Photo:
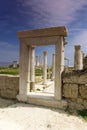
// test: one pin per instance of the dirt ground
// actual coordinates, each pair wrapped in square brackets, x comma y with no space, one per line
[20,116]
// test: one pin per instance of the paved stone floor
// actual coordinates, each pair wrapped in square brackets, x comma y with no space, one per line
[48,88]
[20,116]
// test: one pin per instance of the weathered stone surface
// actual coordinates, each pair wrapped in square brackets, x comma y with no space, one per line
[75,89]
[5,103]
[83,91]
[80,101]
[54,31]
[69,78]
[75,106]
[85,104]
[82,79]
[79,77]
[70,90]
[9,86]
[9,94]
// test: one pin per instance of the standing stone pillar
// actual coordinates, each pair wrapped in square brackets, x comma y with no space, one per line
[59,67]
[78,58]
[45,68]
[32,69]
[37,61]
[53,66]
[24,78]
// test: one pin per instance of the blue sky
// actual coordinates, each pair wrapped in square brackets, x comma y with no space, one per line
[17,15]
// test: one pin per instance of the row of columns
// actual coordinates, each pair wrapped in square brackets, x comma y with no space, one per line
[78,64]
[32,68]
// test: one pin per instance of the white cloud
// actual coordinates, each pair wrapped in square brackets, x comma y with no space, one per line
[53,12]
[81,39]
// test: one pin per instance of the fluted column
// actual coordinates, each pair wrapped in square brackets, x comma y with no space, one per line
[32,69]
[78,58]
[45,67]
[53,66]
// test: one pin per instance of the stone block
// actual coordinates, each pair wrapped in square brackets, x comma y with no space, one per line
[82,79]
[48,101]
[70,90]
[9,94]
[80,101]
[83,91]
[85,104]
[9,86]
[75,106]
[70,79]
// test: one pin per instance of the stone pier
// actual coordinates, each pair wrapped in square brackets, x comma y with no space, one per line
[32,69]
[59,67]
[78,58]
[45,67]
[53,67]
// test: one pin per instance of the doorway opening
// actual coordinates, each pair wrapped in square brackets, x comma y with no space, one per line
[44,69]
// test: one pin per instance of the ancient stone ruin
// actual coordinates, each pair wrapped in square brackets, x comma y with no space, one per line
[28,41]
[70,83]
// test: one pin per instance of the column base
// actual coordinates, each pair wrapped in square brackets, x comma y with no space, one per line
[22,97]
[32,86]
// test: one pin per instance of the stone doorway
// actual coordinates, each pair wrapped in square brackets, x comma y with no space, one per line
[28,41]
[44,69]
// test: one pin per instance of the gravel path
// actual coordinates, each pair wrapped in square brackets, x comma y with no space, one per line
[29,117]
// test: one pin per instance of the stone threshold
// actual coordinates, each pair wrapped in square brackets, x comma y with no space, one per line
[46,100]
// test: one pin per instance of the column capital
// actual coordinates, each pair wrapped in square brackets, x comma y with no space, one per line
[45,52]
[77,47]
[53,54]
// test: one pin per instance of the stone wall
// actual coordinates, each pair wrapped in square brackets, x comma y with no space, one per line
[9,86]
[75,89]
[85,62]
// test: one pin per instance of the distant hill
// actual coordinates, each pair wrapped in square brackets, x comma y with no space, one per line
[5,64]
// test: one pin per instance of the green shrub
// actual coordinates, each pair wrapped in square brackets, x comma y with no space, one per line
[38,72]
[5,70]
[83,114]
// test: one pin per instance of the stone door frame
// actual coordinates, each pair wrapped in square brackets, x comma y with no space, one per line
[40,37]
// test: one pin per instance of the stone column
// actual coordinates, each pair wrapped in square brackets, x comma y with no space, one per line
[78,58]
[53,67]
[82,58]
[24,78]
[37,61]
[68,61]
[59,67]
[32,69]
[45,68]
